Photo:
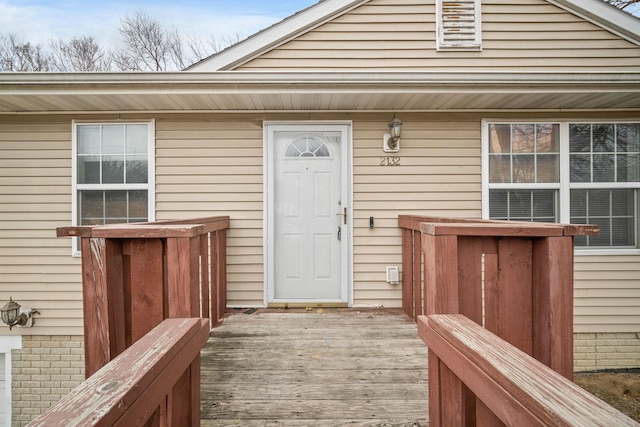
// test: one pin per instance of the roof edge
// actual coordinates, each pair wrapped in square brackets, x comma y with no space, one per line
[275,35]
[605,16]
[235,80]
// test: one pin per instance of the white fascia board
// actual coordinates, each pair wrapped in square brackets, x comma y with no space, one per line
[605,16]
[276,35]
[161,82]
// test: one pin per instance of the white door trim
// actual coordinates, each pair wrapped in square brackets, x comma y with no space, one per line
[8,343]
[268,206]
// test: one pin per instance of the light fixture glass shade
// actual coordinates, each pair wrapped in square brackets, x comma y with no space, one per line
[395,128]
[10,312]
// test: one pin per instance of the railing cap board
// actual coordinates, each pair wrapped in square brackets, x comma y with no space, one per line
[132,385]
[517,388]
[483,227]
[158,229]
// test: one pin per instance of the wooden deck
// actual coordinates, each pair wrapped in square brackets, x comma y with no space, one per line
[315,368]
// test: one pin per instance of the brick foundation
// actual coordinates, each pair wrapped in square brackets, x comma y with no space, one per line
[44,370]
[602,351]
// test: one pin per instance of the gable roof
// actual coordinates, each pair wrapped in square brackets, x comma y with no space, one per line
[597,12]
[276,35]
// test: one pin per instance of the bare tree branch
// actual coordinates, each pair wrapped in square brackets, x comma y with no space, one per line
[79,54]
[622,4]
[18,55]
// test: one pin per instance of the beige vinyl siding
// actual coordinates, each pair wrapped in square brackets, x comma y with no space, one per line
[439,174]
[607,293]
[36,268]
[528,35]
[210,168]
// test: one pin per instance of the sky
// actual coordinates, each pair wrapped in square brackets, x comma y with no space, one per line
[39,21]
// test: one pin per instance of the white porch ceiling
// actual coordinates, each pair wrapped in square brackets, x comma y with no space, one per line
[25,93]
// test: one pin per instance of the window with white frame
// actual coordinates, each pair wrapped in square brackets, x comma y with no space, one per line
[113,173]
[570,172]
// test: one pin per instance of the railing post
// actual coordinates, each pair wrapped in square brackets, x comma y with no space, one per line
[446,396]
[553,303]
[136,275]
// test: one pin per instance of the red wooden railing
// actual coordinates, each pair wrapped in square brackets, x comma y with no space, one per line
[136,275]
[515,279]
[155,382]
[512,388]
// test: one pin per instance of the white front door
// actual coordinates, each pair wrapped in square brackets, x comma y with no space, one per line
[308,214]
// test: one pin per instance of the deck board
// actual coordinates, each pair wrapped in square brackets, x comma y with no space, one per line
[330,368]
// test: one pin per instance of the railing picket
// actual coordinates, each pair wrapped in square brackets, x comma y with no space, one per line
[144,282]
[470,277]
[407,272]
[418,291]
[515,305]
[204,277]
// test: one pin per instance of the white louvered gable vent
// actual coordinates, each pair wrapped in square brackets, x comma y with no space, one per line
[459,25]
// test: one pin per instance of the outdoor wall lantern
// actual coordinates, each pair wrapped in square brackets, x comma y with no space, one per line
[14,315]
[391,140]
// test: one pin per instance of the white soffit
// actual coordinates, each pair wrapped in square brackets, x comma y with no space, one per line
[276,35]
[34,93]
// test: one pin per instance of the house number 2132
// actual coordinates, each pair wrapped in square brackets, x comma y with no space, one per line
[389,161]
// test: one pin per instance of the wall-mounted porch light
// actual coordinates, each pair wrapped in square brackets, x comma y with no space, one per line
[391,140]
[13,314]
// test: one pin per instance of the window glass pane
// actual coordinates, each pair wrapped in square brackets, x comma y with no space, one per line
[523,205]
[603,168]
[544,208]
[612,210]
[547,138]
[524,168]
[113,170]
[138,201]
[523,139]
[499,168]
[520,205]
[88,139]
[548,168]
[113,139]
[622,202]
[598,202]
[622,232]
[136,170]
[323,151]
[498,204]
[579,138]
[88,170]
[115,207]
[603,138]
[91,207]
[628,138]
[580,165]
[500,139]
[578,205]
[136,139]
[628,168]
